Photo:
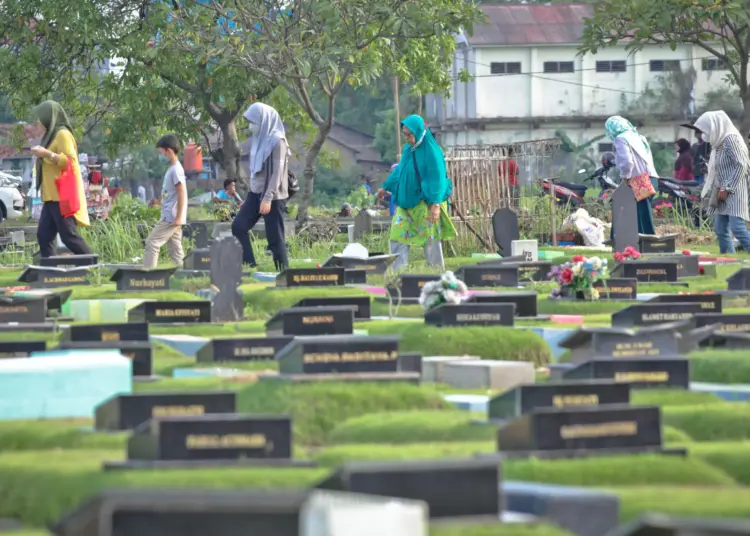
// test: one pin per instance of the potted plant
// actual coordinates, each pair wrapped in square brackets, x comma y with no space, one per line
[576,278]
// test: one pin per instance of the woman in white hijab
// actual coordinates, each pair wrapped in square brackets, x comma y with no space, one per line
[725,191]
[269,185]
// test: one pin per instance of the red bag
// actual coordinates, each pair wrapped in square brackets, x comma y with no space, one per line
[67,189]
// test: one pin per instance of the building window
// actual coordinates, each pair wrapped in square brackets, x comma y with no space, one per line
[505,67]
[616,66]
[658,66]
[606,147]
[712,64]
[558,67]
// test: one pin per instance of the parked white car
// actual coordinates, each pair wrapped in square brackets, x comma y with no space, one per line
[12,201]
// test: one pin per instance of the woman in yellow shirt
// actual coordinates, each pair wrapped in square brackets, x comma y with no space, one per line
[58,146]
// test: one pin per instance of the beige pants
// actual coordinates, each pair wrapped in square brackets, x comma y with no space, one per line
[164,233]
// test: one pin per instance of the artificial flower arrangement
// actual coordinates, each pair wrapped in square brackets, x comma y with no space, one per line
[447,289]
[578,275]
[629,253]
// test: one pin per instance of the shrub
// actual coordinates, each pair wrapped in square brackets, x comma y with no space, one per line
[717,422]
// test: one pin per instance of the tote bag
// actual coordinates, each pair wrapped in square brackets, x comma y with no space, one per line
[67,189]
[642,187]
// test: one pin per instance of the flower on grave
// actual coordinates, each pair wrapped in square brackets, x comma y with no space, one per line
[578,258]
[566,276]
[318,265]
[579,275]
[686,252]
[448,289]
[701,270]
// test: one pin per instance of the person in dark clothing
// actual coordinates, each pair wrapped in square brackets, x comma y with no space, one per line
[701,152]
[683,166]
[269,185]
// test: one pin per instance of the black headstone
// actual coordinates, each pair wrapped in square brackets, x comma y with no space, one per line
[495,275]
[451,488]
[125,412]
[171,312]
[69,261]
[526,302]
[657,244]
[410,362]
[728,322]
[648,271]
[11,349]
[411,285]
[137,279]
[57,298]
[134,331]
[505,229]
[339,354]
[241,349]
[727,341]
[23,309]
[471,314]
[226,276]
[212,437]
[49,277]
[624,218]
[617,288]
[311,277]
[355,276]
[198,259]
[374,264]
[200,233]
[533,271]
[620,343]
[710,303]
[139,352]
[617,426]
[663,525]
[687,265]
[638,372]
[362,304]
[648,314]
[311,321]
[503,260]
[525,398]
[739,280]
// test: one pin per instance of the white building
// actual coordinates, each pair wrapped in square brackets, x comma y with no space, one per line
[528,80]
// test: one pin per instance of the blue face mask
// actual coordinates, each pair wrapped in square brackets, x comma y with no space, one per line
[163,158]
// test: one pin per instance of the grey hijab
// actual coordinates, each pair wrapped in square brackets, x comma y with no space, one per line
[266,137]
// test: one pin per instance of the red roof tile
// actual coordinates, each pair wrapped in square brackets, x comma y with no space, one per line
[531,24]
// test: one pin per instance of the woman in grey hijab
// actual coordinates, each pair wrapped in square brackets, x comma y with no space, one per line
[269,185]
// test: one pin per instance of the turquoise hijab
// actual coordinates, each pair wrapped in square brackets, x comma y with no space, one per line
[619,127]
[403,182]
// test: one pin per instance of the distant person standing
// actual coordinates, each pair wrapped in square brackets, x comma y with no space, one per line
[683,166]
[509,171]
[701,153]
[173,207]
[142,193]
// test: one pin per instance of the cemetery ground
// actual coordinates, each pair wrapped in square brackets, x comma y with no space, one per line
[49,467]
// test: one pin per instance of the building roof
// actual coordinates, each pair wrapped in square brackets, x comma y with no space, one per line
[531,24]
[355,140]
[32,133]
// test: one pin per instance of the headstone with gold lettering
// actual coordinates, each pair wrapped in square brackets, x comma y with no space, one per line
[199,259]
[312,321]
[525,398]
[14,349]
[312,277]
[727,322]
[50,277]
[526,301]
[639,372]
[139,352]
[648,271]
[361,304]
[23,310]
[340,354]
[226,275]
[471,314]
[619,343]
[374,264]
[409,287]
[657,244]
[535,271]
[617,288]
[125,412]
[624,218]
[171,312]
[495,275]
[710,303]
[241,349]
[137,279]
[69,261]
[132,331]
[648,314]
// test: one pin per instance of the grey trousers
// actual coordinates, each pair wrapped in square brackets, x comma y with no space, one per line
[433,254]
[164,233]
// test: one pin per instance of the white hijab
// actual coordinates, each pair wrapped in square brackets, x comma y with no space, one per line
[266,137]
[716,126]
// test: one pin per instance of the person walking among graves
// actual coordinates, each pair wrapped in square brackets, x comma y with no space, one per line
[683,166]
[636,165]
[420,189]
[168,230]
[269,185]
[725,190]
[57,155]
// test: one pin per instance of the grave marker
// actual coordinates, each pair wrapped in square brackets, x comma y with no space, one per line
[23,309]
[361,303]
[471,314]
[362,224]
[638,372]
[199,259]
[648,271]
[617,288]
[728,323]
[132,331]
[657,244]
[411,286]
[138,279]
[312,321]
[410,362]
[502,260]
[339,354]
[497,275]
[69,261]
[533,271]
[49,277]
[739,280]
[710,303]
[226,275]
[353,276]
[505,229]
[526,302]
[527,249]
[241,349]
[624,220]
[171,312]
[374,264]
[687,265]
[16,349]
[526,398]
[311,277]
[649,314]
[139,352]
[199,232]
[619,343]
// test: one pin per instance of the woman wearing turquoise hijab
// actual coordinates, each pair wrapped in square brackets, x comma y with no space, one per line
[634,160]
[420,188]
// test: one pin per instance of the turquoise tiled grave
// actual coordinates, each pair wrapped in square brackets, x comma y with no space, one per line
[61,385]
[209,373]
[104,311]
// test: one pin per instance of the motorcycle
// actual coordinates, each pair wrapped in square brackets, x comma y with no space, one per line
[566,193]
[682,195]
[574,194]
[601,175]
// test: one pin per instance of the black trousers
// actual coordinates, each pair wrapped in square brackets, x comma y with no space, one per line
[52,223]
[246,219]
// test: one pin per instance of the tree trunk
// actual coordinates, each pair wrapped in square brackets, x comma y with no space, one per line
[745,125]
[311,160]
[230,154]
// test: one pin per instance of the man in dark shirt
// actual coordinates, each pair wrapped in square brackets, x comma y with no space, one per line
[701,151]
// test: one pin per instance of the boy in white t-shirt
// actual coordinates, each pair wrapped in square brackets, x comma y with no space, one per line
[173,207]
